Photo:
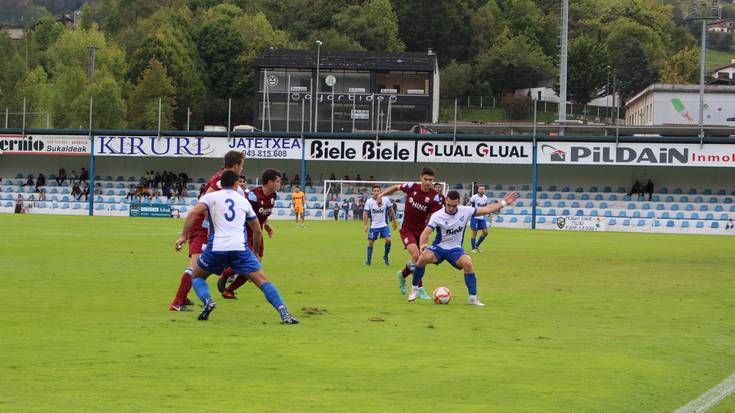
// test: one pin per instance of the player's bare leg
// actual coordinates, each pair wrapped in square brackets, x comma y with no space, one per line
[271,294]
[465,262]
[427,257]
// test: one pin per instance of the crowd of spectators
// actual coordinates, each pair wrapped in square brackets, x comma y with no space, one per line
[641,189]
[154,185]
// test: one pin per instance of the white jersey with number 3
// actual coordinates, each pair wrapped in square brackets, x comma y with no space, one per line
[378,213]
[228,212]
[450,228]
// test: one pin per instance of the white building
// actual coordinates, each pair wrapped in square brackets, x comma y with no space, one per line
[546,93]
[726,72]
[667,104]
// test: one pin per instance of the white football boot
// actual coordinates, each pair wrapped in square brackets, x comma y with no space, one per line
[473,300]
[413,295]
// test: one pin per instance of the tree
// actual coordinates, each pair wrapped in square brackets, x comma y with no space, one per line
[456,80]
[634,71]
[588,70]
[623,34]
[12,71]
[86,18]
[34,87]
[486,24]
[517,107]
[333,40]
[720,41]
[153,84]
[512,63]
[373,24]
[440,25]
[683,67]
[220,42]
[523,17]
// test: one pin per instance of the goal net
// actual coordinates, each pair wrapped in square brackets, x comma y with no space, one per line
[346,199]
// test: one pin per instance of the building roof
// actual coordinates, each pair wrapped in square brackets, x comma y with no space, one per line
[347,60]
[667,87]
[717,69]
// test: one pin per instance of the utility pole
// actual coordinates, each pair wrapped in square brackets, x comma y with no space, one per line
[90,71]
[703,14]
[563,63]
[316,93]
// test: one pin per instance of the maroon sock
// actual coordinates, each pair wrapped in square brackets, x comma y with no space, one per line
[227,273]
[184,287]
[406,271]
[234,285]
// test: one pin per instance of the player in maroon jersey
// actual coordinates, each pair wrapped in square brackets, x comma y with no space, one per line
[197,237]
[263,199]
[438,188]
[421,201]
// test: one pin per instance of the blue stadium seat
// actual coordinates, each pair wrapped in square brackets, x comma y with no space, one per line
[724,217]
[54,191]
[571,196]
[130,178]
[675,207]
[555,196]
[584,197]
[608,214]
[120,186]
[98,199]
[519,203]
[157,201]
[684,199]
[526,188]
[561,204]
[709,216]
[319,213]
[108,185]
[542,220]
[565,212]
[565,189]
[54,205]
[664,190]
[656,198]
[183,209]
[65,206]
[607,189]
[110,199]
[42,205]
[109,192]
[621,190]
[613,197]
[575,204]
[622,214]
[698,199]
[524,212]
[312,199]
[692,191]
[707,191]
[579,213]
[65,198]
[594,213]
[694,215]
[612,222]
[646,206]
[589,205]
[631,206]
[498,187]
[641,223]
[656,223]
[704,208]
[700,224]
[732,208]
[678,191]
[670,224]
[665,215]
[513,220]
[713,200]
[527,220]
[193,202]
[499,219]
[113,207]
[547,204]
[660,207]
[202,181]
[124,207]
[552,211]
[689,207]
[626,222]
[603,205]
[721,192]
[636,214]
[579,189]
[680,215]
[552,188]
[715,225]
[669,198]
[598,197]
[650,214]
[593,189]
[118,179]
[543,195]
[100,207]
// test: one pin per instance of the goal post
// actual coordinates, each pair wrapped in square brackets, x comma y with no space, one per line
[355,191]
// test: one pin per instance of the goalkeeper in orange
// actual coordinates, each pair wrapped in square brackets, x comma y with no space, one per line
[297,203]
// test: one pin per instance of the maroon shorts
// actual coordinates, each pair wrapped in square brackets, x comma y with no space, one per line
[250,245]
[410,237]
[197,243]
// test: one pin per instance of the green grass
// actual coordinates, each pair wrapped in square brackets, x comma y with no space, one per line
[490,115]
[714,58]
[576,322]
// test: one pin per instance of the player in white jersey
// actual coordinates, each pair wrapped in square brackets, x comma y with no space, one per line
[228,213]
[378,215]
[478,200]
[450,224]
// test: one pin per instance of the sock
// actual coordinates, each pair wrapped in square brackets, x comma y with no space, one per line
[418,274]
[406,271]
[472,240]
[479,241]
[471,282]
[387,249]
[184,287]
[370,253]
[236,283]
[202,289]
[271,294]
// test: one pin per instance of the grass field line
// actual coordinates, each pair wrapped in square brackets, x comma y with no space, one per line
[710,398]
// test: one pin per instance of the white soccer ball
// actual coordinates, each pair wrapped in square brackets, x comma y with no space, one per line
[442,295]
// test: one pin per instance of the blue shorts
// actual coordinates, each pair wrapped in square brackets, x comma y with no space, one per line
[383,232]
[478,224]
[452,256]
[241,262]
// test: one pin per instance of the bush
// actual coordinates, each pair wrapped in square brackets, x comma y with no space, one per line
[517,107]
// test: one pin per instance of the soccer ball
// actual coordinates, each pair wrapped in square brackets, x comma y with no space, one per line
[442,295]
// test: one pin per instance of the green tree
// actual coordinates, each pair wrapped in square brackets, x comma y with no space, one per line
[512,63]
[86,18]
[588,70]
[220,43]
[153,84]
[523,17]
[440,25]
[333,40]
[683,67]
[486,25]
[623,34]
[634,71]
[34,87]
[456,80]
[373,24]
[12,71]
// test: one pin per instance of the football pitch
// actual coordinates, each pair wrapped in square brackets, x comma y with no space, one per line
[575,322]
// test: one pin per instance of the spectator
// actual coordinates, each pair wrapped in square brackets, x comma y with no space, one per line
[346,208]
[637,188]
[76,192]
[85,193]
[73,176]
[61,177]
[157,179]
[332,177]
[372,178]
[358,178]
[649,189]
[97,188]
[42,195]
[184,178]
[308,180]
[321,178]
[40,181]
[83,176]
[296,180]
[284,179]
[131,192]
[465,199]
[335,207]
[32,200]
[356,209]
[347,177]
[730,225]
[19,205]
[29,181]
[202,189]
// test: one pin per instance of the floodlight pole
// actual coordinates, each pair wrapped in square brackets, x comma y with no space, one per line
[316,103]
[695,15]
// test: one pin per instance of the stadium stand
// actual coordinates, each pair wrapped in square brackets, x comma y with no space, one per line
[677,209]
